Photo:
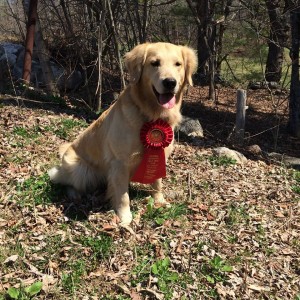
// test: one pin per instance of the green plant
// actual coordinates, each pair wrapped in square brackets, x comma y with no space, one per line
[37,190]
[26,133]
[100,247]
[26,293]
[296,187]
[165,277]
[236,215]
[262,239]
[216,270]
[64,127]
[71,280]
[217,161]
[141,272]
[161,214]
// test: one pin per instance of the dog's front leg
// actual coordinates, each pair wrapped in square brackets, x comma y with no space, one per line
[118,182]
[156,192]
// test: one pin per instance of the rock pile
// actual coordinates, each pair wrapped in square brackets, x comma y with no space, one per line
[12,58]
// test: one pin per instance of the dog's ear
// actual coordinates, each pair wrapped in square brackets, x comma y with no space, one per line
[190,62]
[134,61]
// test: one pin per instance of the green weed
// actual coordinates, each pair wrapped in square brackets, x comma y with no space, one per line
[37,190]
[25,293]
[236,215]
[71,280]
[100,247]
[218,161]
[296,187]
[216,270]
[26,133]
[159,270]
[65,127]
[165,277]
[141,272]
[160,214]
[262,240]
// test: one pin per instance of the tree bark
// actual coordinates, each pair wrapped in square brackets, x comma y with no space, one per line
[32,17]
[116,44]
[277,39]
[44,61]
[294,104]
[81,59]
[202,11]
[101,27]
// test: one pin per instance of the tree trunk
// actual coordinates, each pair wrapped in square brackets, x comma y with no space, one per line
[277,39]
[44,61]
[114,33]
[78,48]
[101,28]
[32,17]
[294,112]
[203,13]
[222,28]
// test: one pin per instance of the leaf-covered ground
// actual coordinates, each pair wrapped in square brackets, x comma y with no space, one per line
[231,232]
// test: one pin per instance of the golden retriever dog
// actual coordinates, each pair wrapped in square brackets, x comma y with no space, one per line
[110,150]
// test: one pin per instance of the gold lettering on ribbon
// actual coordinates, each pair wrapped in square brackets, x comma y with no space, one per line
[153,159]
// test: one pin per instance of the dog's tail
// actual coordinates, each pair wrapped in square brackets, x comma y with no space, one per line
[56,174]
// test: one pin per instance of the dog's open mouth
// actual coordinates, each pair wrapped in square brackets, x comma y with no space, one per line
[167,100]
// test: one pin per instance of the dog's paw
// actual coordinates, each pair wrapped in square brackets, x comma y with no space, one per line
[160,200]
[125,217]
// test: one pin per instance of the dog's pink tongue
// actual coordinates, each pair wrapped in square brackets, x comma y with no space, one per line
[167,100]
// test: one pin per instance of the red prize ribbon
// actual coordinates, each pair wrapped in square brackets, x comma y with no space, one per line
[155,136]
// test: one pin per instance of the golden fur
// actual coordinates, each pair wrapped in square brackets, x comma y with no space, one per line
[110,149]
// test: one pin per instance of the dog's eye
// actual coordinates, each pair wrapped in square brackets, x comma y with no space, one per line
[155,63]
[178,64]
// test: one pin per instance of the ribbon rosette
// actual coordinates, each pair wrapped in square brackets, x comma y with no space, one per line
[155,136]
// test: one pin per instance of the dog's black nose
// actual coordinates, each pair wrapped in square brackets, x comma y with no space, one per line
[169,83]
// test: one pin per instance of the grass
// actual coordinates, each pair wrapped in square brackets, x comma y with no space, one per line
[160,214]
[37,191]
[64,128]
[296,186]
[100,247]
[248,63]
[216,270]
[71,280]
[160,272]
[218,161]
[236,215]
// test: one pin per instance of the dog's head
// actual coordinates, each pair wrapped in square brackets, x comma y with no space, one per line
[163,69]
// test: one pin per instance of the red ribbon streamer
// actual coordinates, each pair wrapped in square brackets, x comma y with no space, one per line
[155,136]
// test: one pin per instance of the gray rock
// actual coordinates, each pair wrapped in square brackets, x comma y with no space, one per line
[8,58]
[13,54]
[69,82]
[2,50]
[291,161]
[191,127]
[254,149]
[223,151]
[11,48]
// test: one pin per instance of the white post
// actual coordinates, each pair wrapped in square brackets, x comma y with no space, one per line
[240,116]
